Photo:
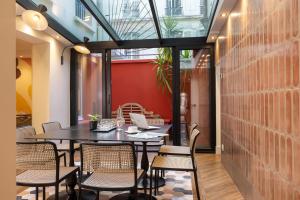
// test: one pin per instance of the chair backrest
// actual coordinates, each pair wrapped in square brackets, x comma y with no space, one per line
[193,126]
[24,131]
[108,158]
[36,156]
[157,121]
[51,126]
[194,136]
[134,108]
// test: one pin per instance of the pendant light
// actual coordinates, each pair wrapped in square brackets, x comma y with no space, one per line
[80,48]
[36,19]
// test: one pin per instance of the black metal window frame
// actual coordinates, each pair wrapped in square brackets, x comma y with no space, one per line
[106,89]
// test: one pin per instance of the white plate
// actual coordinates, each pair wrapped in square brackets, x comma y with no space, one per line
[131,132]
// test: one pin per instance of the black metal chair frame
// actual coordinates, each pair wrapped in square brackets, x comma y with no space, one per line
[57,179]
[82,177]
[194,170]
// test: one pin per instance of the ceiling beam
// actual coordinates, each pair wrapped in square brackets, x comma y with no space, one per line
[182,43]
[89,4]
[155,19]
[29,5]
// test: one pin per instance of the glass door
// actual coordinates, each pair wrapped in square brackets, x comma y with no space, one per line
[196,96]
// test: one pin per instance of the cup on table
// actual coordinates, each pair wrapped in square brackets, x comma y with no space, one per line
[132,129]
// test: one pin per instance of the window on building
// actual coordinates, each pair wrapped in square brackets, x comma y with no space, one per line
[131,8]
[82,13]
[173,7]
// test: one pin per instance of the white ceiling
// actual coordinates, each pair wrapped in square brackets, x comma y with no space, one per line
[224,7]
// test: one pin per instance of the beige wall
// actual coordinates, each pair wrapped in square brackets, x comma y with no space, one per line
[8,103]
[51,81]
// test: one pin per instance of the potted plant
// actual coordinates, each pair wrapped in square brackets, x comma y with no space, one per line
[94,118]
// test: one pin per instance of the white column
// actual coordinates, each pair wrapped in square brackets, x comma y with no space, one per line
[40,84]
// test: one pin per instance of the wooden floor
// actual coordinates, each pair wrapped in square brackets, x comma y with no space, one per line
[215,182]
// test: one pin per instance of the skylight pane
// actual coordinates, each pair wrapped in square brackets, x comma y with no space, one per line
[131,19]
[184,18]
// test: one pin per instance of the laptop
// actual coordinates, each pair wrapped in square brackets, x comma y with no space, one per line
[140,121]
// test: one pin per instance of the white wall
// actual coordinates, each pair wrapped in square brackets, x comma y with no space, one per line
[51,80]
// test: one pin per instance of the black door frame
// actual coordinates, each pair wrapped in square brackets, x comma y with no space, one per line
[106,88]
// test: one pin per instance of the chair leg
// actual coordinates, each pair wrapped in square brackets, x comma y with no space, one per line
[98,195]
[151,177]
[79,192]
[145,188]
[156,182]
[65,160]
[196,184]
[44,193]
[56,191]
[36,193]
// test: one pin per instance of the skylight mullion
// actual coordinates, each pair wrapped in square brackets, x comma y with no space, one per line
[155,19]
[89,4]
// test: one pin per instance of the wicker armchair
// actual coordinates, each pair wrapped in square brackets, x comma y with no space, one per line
[37,165]
[61,146]
[109,167]
[176,163]
[177,150]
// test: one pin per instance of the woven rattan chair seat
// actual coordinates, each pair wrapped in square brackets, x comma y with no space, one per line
[112,180]
[176,150]
[43,176]
[173,162]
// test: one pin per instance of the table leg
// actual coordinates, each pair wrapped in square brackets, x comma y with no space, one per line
[72,180]
[145,160]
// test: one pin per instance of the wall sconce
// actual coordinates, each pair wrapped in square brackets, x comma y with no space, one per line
[80,48]
[36,19]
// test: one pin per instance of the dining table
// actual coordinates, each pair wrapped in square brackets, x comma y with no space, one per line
[82,133]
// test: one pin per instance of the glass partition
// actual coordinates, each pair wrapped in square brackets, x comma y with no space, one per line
[195,95]
[89,87]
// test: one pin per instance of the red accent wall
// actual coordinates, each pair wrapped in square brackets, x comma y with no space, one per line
[134,81]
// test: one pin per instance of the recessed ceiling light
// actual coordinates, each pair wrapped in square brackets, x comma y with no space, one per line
[203,55]
[221,37]
[213,37]
[57,37]
[235,14]
[21,56]
[223,15]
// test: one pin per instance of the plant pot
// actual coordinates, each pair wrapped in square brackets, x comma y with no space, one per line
[93,125]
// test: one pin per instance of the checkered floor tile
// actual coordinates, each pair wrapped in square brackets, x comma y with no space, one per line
[178,187]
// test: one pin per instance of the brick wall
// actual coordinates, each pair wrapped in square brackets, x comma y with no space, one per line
[260,127]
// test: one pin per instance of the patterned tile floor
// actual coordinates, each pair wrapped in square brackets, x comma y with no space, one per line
[178,187]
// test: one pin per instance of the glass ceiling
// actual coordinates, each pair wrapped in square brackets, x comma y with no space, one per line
[132,19]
